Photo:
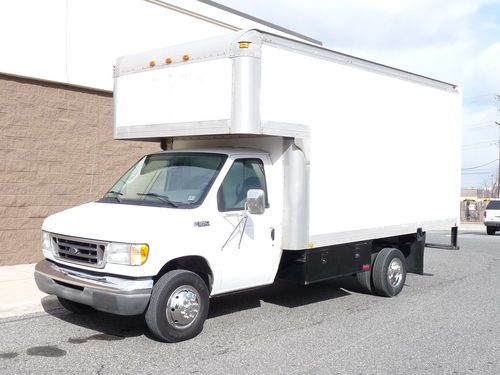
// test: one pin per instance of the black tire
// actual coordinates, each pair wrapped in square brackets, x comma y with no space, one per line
[490,231]
[365,277]
[75,307]
[177,284]
[382,283]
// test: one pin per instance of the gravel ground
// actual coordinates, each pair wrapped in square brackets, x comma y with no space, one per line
[445,322]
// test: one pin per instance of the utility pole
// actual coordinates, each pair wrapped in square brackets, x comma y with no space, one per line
[498,175]
[498,145]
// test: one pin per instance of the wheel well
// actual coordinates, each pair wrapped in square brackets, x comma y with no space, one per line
[412,247]
[403,243]
[193,263]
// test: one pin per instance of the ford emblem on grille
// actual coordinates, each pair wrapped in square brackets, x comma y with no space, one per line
[74,250]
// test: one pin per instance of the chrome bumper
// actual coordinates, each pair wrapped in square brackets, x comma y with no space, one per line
[495,224]
[105,293]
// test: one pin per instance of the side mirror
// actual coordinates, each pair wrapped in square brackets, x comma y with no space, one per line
[256,202]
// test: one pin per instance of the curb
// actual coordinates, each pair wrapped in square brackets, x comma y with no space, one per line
[45,304]
[20,294]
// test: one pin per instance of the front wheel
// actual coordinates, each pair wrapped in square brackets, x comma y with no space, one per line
[490,231]
[389,272]
[178,306]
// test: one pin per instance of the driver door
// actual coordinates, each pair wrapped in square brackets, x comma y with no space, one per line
[248,256]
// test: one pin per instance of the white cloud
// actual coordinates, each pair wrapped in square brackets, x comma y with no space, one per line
[483,72]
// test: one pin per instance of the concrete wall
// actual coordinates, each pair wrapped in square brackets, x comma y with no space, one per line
[78,41]
[56,151]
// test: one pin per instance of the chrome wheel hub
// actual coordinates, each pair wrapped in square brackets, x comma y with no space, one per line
[183,307]
[395,272]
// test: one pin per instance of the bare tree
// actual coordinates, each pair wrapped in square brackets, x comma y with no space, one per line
[489,185]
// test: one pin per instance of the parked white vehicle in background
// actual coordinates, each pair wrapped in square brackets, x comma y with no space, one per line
[492,217]
[282,160]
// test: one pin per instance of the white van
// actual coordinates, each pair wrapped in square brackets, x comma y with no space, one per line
[492,217]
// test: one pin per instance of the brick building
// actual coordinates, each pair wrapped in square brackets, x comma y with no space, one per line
[56,151]
[56,105]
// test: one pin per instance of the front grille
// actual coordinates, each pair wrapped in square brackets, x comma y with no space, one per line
[77,250]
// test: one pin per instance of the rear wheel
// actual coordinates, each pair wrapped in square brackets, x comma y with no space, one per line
[178,306]
[389,272]
[75,307]
[491,231]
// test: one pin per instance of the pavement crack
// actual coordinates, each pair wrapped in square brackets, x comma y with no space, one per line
[99,370]
[96,337]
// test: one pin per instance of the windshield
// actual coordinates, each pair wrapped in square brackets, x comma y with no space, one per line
[179,180]
[493,205]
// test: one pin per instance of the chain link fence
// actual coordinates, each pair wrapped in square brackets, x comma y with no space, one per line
[472,211]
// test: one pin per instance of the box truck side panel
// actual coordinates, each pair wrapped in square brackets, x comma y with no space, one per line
[384,150]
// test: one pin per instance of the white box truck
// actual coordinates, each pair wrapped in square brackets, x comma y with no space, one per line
[282,160]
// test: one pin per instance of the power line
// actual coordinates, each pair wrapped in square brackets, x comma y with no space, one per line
[479,174]
[477,128]
[473,145]
[473,125]
[475,172]
[480,96]
[479,166]
[481,170]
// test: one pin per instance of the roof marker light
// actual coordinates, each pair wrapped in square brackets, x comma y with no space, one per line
[168,60]
[244,44]
[152,63]
[185,57]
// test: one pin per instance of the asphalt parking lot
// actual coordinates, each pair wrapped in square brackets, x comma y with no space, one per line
[445,322]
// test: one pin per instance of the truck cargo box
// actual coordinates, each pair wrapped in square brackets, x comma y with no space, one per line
[368,151]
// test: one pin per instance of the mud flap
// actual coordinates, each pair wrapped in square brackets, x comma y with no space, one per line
[415,260]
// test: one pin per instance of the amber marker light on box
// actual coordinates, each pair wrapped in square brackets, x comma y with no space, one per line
[168,60]
[185,57]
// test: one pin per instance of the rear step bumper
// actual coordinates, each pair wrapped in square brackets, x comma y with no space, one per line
[105,293]
[452,246]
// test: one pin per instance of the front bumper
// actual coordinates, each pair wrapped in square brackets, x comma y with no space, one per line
[493,224]
[105,293]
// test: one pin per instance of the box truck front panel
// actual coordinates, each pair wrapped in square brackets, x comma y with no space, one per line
[384,149]
[181,94]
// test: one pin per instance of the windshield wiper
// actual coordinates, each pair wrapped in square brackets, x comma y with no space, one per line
[114,192]
[116,196]
[160,197]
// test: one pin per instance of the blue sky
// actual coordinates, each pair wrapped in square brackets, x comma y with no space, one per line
[457,41]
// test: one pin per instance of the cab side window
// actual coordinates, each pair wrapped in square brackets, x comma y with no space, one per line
[244,174]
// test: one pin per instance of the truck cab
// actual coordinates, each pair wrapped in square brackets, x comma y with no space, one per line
[173,208]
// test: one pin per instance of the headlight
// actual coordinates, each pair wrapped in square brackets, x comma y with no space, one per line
[47,245]
[126,253]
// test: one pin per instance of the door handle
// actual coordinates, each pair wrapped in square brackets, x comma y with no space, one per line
[272,234]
